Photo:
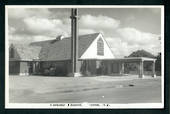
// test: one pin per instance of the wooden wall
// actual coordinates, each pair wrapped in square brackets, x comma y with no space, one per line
[18,68]
[63,68]
[24,68]
[14,67]
[56,68]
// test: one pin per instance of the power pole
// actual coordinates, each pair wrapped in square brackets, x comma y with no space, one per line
[74,42]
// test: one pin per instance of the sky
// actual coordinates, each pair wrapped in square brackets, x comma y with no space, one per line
[125,29]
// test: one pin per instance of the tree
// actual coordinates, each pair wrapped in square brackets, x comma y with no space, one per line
[158,62]
[141,53]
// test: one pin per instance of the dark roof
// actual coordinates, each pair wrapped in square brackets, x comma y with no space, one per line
[52,50]
[25,52]
[141,53]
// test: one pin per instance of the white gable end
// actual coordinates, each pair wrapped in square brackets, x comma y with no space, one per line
[91,52]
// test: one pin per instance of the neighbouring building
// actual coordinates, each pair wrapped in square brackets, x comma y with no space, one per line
[53,57]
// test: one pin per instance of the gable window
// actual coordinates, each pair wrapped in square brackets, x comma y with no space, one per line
[100,47]
[12,53]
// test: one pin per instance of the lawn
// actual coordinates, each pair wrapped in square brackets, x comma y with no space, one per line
[101,89]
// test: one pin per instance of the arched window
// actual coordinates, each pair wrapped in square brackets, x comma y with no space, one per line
[12,53]
[100,47]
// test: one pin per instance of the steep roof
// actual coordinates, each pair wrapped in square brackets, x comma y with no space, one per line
[52,50]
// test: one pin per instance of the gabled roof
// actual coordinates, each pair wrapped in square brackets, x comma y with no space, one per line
[53,50]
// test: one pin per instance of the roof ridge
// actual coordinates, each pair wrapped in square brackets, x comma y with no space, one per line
[68,37]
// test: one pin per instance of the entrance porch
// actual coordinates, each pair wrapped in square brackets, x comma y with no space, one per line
[119,66]
[140,65]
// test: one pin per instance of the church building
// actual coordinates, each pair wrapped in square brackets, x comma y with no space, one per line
[78,55]
[53,57]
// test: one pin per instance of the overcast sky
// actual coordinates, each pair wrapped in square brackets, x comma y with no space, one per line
[126,30]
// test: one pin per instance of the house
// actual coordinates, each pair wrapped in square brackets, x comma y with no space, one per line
[41,57]
[53,57]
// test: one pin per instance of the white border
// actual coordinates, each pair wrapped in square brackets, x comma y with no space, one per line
[84,6]
[6,60]
[162,53]
[83,105]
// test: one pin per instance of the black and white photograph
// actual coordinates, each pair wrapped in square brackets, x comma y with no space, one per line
[84,56]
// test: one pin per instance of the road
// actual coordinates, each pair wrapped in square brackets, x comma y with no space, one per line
[104,89]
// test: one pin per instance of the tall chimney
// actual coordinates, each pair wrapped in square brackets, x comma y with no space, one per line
[74,42]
